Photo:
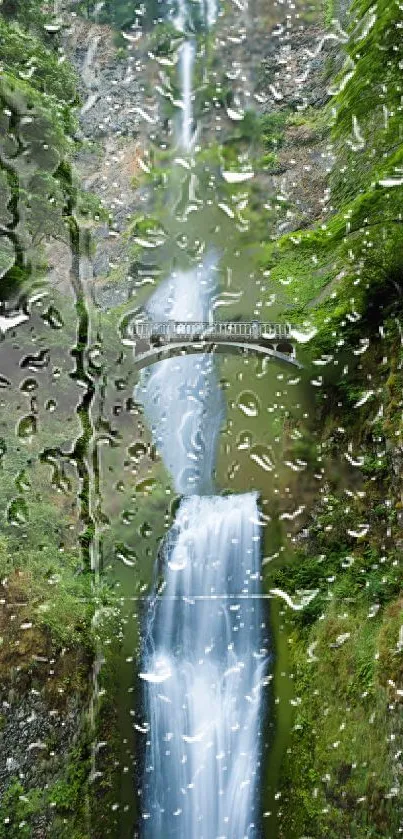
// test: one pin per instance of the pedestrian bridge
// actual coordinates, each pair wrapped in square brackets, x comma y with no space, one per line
[154,341]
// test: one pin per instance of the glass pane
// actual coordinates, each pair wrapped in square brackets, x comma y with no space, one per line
[200,419]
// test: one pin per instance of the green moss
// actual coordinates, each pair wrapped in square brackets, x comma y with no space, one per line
[34,66]
[268,161]
[272,127]
[64,804]
[339,776]
[164,39]
[90,206]
[366,139]
[17,809]
[38,98]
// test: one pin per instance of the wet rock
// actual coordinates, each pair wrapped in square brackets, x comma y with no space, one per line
[12,764]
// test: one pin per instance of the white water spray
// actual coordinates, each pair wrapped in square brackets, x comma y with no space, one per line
[179,18]
[204,668]
[210,12]
[182,23]
[186,62]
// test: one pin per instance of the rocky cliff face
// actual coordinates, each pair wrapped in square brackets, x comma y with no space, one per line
[282,61]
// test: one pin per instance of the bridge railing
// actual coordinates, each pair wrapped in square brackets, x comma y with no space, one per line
[194,330]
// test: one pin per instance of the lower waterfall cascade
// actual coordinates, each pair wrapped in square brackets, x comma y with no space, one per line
[204,665]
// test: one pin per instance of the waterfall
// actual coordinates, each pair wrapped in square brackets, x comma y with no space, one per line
[179,17]
[182,22]
[186,62]
[204,667]
[204,656]
[181,398]
[210,12]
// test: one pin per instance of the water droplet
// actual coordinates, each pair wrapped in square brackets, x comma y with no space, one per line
[28,385]
[146,486]
[127,516]
[36,362]
[244,441]
[126,554]
[161,673]
[121,384]
[53,318]
[261,455]
[27,426]
[95,358]
[17,512]
[136,451]
[248,403]
[145,530]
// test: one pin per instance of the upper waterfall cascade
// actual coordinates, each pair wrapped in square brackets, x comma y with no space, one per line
[182,401]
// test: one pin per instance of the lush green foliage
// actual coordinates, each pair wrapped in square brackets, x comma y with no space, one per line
[339,778]
[66,799]
[41,565]
[34,62]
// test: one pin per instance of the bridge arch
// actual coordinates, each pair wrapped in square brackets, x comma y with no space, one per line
[154,341]
[175,350]
[285,348]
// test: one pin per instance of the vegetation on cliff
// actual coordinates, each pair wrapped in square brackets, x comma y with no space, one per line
[342,773]
[47,639]
[37,92]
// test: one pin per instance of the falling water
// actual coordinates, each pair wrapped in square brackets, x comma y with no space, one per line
[179,16]
[187,52]
[186,61]
[203,660]
[210,12]
[182,401]
[204,668]
[205,652]
[179,13]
